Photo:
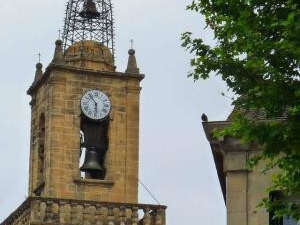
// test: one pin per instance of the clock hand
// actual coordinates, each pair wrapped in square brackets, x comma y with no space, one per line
[96,104]
[96,107]
[91,96]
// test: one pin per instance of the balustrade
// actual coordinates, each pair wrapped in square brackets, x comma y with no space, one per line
[75,212]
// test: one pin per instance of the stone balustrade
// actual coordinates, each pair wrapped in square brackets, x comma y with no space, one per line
[40,211]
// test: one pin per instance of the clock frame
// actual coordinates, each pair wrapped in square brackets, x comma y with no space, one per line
[95,105]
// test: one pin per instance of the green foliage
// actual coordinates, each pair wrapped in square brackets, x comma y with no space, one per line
[258,55]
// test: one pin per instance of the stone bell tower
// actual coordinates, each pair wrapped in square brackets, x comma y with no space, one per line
[83,108]
[57,122]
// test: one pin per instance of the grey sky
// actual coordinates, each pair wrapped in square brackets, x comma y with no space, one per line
[176,163]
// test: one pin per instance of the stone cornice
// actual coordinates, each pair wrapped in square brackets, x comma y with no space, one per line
[229,144]
[110,74]
[230,155]
[209,127]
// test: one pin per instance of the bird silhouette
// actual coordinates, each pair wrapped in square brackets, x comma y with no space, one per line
[204,117]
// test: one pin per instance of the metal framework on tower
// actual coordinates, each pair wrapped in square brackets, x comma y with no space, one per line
[89,20]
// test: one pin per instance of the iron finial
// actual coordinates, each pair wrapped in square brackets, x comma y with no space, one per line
[59,34]
[131,43]
[39,57]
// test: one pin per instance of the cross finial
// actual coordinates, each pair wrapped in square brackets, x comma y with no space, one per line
[59,34]
[39,55]
[131,43]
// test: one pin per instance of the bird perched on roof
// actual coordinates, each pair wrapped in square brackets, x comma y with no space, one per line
[204,117]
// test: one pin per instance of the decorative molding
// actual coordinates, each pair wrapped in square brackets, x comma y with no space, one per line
[80,71]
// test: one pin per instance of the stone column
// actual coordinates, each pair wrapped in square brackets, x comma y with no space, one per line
[237,188]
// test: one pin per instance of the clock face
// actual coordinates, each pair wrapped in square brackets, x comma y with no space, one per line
[95,105]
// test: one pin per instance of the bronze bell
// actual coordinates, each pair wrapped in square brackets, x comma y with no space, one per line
[92,165]
[89,10]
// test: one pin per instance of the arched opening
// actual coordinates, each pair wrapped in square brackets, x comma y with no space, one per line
[82,153]
[41,150]
[94,145]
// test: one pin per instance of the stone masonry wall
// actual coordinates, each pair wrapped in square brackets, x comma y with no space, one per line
[245,189]
[60,98]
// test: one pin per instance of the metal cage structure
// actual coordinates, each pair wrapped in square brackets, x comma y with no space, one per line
[89,20]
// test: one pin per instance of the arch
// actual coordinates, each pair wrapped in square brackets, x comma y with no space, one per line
[41,149]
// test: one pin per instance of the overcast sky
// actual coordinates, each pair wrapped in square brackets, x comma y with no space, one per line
[176,162]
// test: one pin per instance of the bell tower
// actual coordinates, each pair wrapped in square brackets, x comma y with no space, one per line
[81,105]
[84,149]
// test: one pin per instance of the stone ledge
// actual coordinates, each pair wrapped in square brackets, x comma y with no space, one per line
[94,182]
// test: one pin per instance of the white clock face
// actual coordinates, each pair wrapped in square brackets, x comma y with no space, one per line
[95,105]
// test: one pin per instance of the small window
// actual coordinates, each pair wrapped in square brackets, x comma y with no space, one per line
[285,220]
[273,196]
[289,221]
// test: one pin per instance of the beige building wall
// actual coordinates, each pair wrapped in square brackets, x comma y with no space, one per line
[243,188]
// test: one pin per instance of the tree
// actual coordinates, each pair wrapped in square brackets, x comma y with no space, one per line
[258,55]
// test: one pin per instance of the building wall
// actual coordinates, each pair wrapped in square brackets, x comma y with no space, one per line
[245,190]
[39,106]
